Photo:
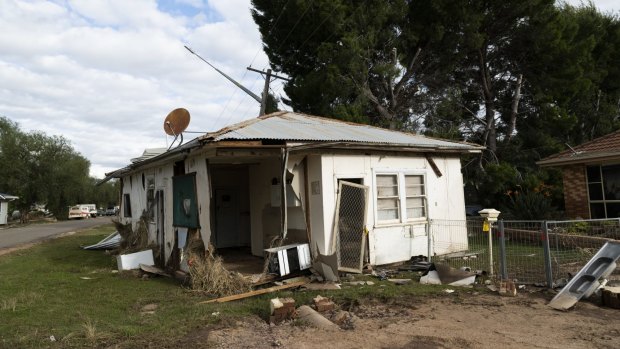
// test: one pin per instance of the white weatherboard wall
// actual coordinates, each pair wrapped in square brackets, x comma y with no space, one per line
[4,208]
[198,164]
[132,185]
[394,242]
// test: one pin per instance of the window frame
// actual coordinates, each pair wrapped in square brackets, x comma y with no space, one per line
[604,201]
[401,174]
[127,205]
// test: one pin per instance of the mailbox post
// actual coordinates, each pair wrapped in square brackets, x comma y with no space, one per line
[490,216]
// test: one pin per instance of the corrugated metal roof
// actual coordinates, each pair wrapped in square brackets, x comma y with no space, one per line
[289,126]
[603,147]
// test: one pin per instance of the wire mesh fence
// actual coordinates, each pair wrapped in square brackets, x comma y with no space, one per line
[350,241]
[574,243]
[524,251]
[460,244]
[529,252]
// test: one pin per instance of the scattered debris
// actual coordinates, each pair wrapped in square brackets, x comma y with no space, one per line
[148,309]
[326,266]
[611,297]
[323,304]
[585,283]
[208,274]
[133,260]
[281,309]
[416,263]
[52,338]
[215,313]
[255,292]
[313,318]
[507,288]
[447,290]
[359,283]
[289,258]
[132,240]
[454,277]
[430,278]
[399,281]
[86,278]
[153,270]
[320,286]
[492,287]
[111,242]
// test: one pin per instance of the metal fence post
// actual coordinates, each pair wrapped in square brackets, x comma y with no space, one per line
[502,251]
[547,254]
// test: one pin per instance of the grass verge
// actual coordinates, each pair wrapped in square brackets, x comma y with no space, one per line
[56,295]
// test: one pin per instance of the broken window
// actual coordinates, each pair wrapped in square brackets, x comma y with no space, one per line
[126,205]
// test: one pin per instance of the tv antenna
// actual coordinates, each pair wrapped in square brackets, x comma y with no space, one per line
[268,75]
[175,123]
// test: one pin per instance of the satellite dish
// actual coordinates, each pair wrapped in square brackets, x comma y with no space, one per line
[176,122]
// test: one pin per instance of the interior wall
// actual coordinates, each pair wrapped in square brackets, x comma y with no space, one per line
[236,178]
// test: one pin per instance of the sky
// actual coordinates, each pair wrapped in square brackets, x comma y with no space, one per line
[105,73]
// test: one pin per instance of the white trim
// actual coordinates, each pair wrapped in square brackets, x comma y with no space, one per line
[400,173]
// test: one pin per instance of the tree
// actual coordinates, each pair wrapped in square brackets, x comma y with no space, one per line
[41,169]
[357,60]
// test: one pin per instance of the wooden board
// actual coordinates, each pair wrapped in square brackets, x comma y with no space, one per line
[256,292]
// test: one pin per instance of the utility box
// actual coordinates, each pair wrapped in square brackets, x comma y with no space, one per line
[288,259]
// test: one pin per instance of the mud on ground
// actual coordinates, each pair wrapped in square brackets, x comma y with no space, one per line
[463,319]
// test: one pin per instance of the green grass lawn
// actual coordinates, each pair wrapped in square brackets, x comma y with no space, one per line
[57,289]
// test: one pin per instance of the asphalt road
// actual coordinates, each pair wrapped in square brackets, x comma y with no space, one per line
[11,237]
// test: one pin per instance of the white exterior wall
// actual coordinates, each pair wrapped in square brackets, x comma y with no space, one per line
[4,208]
[393,242]
[133,185]
[198,164]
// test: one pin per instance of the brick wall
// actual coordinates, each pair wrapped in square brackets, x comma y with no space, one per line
[575,191]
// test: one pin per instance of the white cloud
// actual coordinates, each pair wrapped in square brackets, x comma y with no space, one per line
[104,74]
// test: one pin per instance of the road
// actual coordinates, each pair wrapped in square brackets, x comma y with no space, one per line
[12,237]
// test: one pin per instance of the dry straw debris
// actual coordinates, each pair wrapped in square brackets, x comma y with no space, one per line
[209,275]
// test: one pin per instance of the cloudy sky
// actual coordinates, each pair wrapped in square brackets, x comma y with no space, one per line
[105,73]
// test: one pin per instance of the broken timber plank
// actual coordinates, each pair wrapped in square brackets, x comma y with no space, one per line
[256,292]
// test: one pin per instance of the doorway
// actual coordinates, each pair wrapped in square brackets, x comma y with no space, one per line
[231,206]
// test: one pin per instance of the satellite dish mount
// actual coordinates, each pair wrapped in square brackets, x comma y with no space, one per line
[175,123]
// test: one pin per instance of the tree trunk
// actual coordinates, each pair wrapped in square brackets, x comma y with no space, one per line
[512,124]
[489,104]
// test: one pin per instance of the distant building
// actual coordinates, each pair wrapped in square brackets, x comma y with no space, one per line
[4,206]
[591,174]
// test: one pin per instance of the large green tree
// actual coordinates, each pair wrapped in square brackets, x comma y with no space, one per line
[43,169]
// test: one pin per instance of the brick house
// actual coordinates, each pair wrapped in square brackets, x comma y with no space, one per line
[591,176]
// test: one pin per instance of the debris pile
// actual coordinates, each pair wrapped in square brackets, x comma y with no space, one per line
[131,240]
[209,275]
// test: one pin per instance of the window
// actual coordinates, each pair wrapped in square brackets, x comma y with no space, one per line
[387,198]
[414,191]
[604,191]
[126,205]
[401,197]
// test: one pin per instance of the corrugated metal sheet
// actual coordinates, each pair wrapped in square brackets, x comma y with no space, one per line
[290,126]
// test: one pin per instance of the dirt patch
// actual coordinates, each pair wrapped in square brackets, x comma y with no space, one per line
[460,320]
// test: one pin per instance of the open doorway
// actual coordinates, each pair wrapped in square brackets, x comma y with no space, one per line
[231,218]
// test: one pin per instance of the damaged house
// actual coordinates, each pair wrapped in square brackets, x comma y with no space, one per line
[362,192]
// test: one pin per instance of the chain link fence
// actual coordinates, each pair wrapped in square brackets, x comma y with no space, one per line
[530,252]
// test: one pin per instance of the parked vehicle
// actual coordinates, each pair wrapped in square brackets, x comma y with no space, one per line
[79,212]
